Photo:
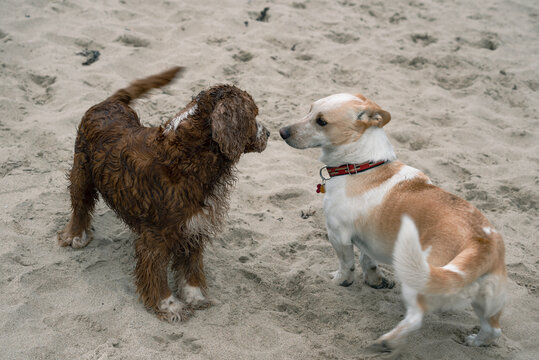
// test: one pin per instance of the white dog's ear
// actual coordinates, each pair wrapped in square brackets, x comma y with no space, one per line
[360,96]
[377,117]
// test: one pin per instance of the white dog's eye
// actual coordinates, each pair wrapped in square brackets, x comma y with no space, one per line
[320,121]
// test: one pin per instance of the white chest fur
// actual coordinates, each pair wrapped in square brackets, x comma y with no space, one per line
[209,220]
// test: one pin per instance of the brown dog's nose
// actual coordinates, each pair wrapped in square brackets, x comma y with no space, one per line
[285,132]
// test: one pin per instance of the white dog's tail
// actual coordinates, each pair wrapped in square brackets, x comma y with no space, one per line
[412,268]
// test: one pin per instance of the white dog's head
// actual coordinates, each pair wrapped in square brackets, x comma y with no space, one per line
[335,120]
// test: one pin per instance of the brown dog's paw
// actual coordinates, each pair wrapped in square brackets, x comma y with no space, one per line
[174,316]
[172,310]
[194,297]
[201,304]
[66,238]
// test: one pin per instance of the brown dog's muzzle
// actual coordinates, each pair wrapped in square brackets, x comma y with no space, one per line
[261,140]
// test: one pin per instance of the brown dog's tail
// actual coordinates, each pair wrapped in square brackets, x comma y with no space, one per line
[141,86]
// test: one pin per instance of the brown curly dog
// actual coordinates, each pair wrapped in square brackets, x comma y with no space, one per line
[169,184]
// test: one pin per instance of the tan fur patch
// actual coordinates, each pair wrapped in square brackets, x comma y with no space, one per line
[359,184]
[343,128]
[451,227]
[422,302]
[445,221]
[494,321]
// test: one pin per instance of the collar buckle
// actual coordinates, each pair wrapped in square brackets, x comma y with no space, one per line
[324,179]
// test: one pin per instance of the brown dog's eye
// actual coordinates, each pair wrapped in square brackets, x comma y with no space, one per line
[320,121]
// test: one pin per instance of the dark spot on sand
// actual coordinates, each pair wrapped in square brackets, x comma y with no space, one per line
[487,43]
[397,18]
[307,214]
[91,56]
[134,41]
[243,56]
[424,39]
[263,15]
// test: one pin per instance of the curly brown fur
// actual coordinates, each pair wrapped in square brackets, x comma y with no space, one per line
[169,184]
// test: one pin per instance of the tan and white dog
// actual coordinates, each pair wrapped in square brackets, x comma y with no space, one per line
[442,248]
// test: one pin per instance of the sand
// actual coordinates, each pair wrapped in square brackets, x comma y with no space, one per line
[460,79]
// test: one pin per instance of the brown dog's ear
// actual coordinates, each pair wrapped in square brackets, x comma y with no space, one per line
[230,126]
[377,117]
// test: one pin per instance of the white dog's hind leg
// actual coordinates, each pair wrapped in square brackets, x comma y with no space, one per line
[415,309]
[488,306]
[372,275]
[487,333]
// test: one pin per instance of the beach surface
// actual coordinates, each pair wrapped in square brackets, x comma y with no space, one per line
[460,79]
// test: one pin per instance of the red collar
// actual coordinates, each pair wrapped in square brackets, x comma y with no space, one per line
[346,169]
[350,169]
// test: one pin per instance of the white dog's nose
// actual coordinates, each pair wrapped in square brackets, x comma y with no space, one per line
[285,132]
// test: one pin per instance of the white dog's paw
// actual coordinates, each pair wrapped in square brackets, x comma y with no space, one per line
[194,297]
[472,340]
[378,282]
[172,310]
[483,338]
[342,278]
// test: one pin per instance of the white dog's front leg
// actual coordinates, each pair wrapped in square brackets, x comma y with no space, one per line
[345,252]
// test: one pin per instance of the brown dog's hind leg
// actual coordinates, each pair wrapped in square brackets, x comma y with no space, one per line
[189,273]
[153,257]
[83,198]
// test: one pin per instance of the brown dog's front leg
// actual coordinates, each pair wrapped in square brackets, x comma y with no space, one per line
[189,269]
[153,257]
